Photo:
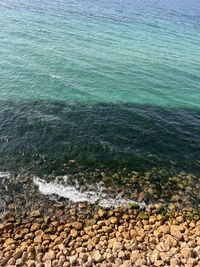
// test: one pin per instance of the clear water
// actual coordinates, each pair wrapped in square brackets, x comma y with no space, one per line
[105,82]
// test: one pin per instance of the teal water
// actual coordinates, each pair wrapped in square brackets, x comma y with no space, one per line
[112,82]
[140,52]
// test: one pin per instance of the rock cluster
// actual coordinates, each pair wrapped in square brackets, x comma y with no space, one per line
[116,237]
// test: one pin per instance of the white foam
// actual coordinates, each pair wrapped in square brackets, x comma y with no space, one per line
[5,175]
[65,191]
[55,76]
[74,195]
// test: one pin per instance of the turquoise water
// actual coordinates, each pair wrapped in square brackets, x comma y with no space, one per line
[140,52]
[115,81]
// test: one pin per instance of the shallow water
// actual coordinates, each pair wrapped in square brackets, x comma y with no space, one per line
[108,83]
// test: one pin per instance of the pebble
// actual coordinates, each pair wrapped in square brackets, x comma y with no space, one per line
[73,259]
[117,247]
[186,252]
[50,255]
[77,225]
[97,257]
[35,227]
[74,233]
[35,213]
[48,263]
[113,220]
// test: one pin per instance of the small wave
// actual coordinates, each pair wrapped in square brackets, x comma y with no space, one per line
[73,194]
[55,76]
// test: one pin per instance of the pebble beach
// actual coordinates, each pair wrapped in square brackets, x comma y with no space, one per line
[43,231]
[108,237]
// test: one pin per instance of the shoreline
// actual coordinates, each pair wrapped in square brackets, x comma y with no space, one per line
[86,235]
[52,231]
[19,192]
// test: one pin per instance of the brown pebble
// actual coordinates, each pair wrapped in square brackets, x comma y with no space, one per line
[35,227]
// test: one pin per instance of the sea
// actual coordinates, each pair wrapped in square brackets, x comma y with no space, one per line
[110,84]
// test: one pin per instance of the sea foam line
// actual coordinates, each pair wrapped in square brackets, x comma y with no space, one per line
[73,194]
[4,175]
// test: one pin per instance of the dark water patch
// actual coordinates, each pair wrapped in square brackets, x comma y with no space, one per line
[41,136]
